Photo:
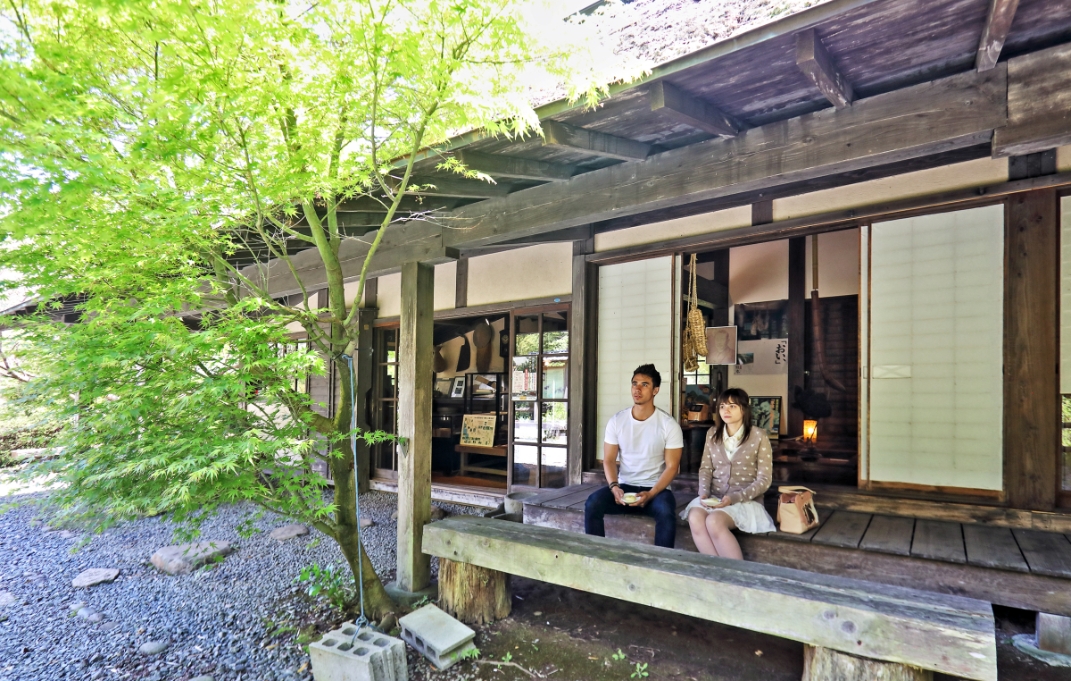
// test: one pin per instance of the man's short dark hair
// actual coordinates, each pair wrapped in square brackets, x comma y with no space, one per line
[649,370]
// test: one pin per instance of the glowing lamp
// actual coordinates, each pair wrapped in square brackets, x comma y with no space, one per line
[810,431]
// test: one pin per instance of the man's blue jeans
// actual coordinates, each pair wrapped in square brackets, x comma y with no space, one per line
[663,508]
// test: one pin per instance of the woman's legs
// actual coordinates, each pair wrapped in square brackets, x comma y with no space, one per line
[697,519]
[719,527]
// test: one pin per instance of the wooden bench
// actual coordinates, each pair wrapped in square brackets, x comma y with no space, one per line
[899,632]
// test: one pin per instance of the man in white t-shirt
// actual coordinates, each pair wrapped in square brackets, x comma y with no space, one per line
[641,454]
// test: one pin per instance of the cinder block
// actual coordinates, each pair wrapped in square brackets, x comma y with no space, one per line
[368,656]
[437,636]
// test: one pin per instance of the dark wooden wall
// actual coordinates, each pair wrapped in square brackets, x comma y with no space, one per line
[840,328]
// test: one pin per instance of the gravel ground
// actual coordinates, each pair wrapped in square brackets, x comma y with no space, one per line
[237,620]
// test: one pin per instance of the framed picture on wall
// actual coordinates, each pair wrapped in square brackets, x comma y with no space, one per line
[458,389]
[766,414]
[478,430]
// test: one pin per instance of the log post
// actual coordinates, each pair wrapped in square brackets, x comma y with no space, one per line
[825,664]
[473,594]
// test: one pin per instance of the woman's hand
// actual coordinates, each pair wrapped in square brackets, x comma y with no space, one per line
[722,504]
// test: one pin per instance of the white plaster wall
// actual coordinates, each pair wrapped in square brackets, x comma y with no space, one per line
[920,183]
[1063,158]
[390,285]
[838,263]
[389,295]
[730,218]
[541,271]
[635,327]
[936,385]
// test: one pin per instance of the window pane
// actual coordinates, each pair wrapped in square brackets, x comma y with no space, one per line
[524,422]
[524,378]
[527,335]
[554,466]
[386,380]
[556,332]
[390,344]
[555,377]
[525,463]
[555,427]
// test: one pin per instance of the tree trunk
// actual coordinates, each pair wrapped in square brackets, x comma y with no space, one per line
[473,594]
[823,664]
[376,601]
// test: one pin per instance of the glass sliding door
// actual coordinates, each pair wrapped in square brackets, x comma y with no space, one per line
[539,405]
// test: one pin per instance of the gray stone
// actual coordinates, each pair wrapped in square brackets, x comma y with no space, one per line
[367,522]
[206,677]
[76,606]
[85,612]
[108,626]
[185,558]
[437,513]
[394,516]
[7,598]
[389,621]
[93,577]
[153,647]
[288,532]
[95,617]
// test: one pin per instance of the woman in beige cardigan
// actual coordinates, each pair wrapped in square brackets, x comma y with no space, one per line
[736,471]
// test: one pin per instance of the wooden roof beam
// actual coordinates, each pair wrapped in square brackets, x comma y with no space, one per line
[815,62]
[513,168]
[667,98]
[556,134]
[995,32]
[457,187]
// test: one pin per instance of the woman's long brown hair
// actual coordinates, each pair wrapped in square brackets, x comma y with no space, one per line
[732,396]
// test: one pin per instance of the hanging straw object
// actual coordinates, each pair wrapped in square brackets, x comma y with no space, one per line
[695,334]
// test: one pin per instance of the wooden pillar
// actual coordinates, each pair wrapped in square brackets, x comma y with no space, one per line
[363,362]
[583,325]
[461,283]
[415,356]
[797,319]
[473,594]
[824,664]
[1031,352]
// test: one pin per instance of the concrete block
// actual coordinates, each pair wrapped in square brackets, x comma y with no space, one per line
[1054,633]
[371,656]
[437,636]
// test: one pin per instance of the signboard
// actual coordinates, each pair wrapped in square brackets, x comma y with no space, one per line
[478,430]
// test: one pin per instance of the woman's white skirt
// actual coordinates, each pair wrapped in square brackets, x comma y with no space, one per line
[749,516]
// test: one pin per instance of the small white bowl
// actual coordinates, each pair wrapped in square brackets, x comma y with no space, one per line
[630,498]
[712,501]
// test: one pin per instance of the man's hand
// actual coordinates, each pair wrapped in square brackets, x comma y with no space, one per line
[619,494]
[644,497]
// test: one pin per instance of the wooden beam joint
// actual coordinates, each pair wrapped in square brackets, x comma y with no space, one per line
[514,168]
[815,63]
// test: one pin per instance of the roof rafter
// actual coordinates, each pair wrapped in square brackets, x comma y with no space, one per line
[514,168]
[668,99]
[815,62]
[997,25]
[558,134]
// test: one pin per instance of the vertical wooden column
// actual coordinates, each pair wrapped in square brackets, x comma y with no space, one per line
[461,283]
[363,362]
[415,357]
[583,325]
[797,319]
[1031,352]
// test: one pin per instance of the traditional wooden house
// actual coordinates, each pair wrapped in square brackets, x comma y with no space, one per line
[906,160]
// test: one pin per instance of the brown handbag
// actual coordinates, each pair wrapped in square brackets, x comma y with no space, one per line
[795,510]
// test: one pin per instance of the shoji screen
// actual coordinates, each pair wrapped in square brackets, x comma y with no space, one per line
[936,349]
[636,313]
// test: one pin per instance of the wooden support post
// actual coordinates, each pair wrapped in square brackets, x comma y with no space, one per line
[415,356]
[363,361]
[461,283]
[824,664]
[582,328]
[473,594]
[1031,353]
[797,320]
